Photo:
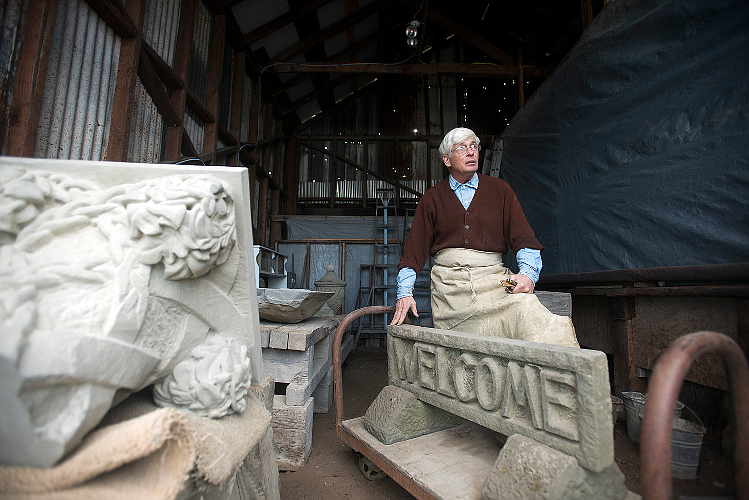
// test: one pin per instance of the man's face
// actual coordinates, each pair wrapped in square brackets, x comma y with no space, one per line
[463,166]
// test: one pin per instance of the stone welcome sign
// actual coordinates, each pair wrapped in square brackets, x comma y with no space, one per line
[557,396]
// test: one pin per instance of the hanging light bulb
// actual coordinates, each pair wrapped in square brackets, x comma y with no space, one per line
[412,29]
[412,42]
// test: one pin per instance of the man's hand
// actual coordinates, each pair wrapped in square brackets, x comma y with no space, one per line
[402,306]
[524,283]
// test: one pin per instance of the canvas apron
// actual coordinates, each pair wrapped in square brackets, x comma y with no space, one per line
[468,296]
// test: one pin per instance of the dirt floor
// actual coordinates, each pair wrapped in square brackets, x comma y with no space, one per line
[333,471]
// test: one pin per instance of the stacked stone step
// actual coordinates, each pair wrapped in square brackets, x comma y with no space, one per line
[300,356]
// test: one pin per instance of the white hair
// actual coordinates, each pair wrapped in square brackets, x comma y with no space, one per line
[455,136]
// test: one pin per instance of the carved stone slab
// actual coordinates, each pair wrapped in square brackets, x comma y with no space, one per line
[556,395]
[111,275]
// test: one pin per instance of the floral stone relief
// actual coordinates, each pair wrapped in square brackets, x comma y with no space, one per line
[107,287]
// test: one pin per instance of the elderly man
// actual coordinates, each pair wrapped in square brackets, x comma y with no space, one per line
[467,222]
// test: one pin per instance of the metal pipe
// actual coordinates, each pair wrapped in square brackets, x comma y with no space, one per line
[657,424]
[337,376]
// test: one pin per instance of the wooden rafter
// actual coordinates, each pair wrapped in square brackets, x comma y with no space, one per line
[317,92]
[331,30]
[335,58]
[438,69]
[279,22]
[469,36]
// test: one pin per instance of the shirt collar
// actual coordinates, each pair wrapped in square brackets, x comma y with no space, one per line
[473,182]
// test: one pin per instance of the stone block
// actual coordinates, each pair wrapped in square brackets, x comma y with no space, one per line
[292,432]
[556,395]
[264,392]
[397,415]
[527,469]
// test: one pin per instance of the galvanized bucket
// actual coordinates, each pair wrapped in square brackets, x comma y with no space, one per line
[634,402]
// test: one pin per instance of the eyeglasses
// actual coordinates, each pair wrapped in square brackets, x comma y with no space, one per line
[462,150]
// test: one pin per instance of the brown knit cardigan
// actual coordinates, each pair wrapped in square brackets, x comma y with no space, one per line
[493,222]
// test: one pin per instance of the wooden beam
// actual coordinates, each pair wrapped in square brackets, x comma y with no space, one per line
[521,84]
[200,109]
[237,96]
[275,227]
[280,22]
[307,98]
[29,78]
[162,68]
[215,61]
[291,176]
[478,70]
[331,30]
[175,135]
[586,11]
[342,103]
[155,89]
[117,17]
[124,94]
[352,49]
[467,35]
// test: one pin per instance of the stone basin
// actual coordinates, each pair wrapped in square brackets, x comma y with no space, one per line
[289,305]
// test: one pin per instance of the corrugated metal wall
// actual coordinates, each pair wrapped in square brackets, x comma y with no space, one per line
[12,13]
[225,95]
[79,88]
[160,29]
[194,127]
[146,129]
[161,25]
[244,128]
[200,48]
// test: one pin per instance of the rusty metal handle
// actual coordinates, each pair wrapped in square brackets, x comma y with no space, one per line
[337,376]
[657,423]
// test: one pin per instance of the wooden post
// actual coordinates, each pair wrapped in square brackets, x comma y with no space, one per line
[332,172]
[124,94]
[216,60]
[365,164]
[275,226]
[621,312]
[29,79]
[173,146]
[291,176]
[521,86]
[237,86]
[586,10]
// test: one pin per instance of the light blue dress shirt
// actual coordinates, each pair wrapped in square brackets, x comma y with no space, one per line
[529,259]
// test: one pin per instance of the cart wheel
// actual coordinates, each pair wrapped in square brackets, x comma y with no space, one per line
[370,470]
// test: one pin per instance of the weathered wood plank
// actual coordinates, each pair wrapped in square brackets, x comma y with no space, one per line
[452,463]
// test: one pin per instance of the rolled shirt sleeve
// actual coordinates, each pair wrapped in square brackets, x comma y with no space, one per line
[406,280]
[529,263]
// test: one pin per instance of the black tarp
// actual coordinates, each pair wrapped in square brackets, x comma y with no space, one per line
[634,153]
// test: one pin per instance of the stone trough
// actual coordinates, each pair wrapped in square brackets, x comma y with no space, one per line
[289,305]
